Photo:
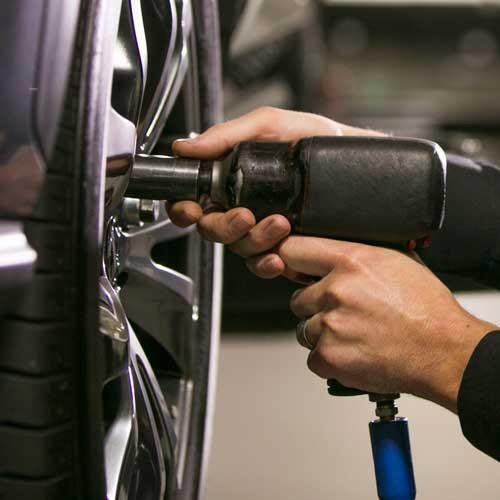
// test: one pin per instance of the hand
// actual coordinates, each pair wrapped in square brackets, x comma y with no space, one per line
[238,227]
[380,321]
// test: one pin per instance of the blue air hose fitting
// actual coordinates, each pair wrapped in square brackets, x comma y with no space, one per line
[392,459]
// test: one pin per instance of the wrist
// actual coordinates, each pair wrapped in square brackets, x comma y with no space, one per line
[457,341]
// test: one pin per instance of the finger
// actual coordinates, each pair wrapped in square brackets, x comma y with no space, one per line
[301,335]
[315,256]
[221,138]
[307,302]
[317,363]
[300,278]
[226,227]
[266,266]
[184,213]
[315,328]
[308,332]
[265,123]
[262,237]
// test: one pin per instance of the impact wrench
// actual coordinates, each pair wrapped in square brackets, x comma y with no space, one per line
[383,191]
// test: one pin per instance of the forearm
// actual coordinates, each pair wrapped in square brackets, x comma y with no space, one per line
[469,242]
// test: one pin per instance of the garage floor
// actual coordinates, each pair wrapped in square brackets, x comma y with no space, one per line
[278,435]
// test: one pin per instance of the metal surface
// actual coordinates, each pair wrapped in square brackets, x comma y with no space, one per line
[138,263]
[157,412]
[161,302]
[174,68]
[174,178]
[136,212]
[17,262]
[165,178]
[139,438]
[130,68]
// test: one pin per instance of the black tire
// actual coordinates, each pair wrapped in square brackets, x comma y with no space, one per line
[50,446]
[51,423]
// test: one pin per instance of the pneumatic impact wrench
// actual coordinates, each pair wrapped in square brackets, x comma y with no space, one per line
[383,191]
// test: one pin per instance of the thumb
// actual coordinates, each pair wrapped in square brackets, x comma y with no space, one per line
[221,138]
[261,124]
[205,146]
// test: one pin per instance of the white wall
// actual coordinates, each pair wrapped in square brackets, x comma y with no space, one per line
[279,435]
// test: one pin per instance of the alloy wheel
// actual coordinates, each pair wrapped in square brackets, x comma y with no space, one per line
[159,297]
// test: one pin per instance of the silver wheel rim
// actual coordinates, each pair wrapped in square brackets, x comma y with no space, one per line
[154,416]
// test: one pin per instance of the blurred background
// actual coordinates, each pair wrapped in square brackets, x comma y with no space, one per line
[424,68]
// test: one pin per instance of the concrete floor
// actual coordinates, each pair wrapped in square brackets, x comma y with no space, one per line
[278,435]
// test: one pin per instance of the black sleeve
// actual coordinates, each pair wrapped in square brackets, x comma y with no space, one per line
[469,242]
[469,245]
[479,397]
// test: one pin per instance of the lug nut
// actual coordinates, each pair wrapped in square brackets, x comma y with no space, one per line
[138,211]
[149,210]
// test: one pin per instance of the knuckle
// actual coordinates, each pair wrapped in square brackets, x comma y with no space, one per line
[214,231]
[331,294]
[285,249]
[324,350]
[327,322]
[296,307]
[269,119]
[224,237]
[321,365]
[267,111]
[357,258]
[344,292]
[352,259]
[257,241]
[217,128]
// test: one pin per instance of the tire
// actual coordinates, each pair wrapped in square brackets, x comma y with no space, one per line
[60,375]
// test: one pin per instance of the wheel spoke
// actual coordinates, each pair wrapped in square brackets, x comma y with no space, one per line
[156,298]
[119,442]
[138,261]
[174,71]
[120,141]
[130,62]
[139,429]
[113,327]
[140,35]
[158,323]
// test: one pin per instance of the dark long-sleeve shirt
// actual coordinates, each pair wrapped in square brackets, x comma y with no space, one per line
[479,397]
[469,245]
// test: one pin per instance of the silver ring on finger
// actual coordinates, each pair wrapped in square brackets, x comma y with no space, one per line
[302,334]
